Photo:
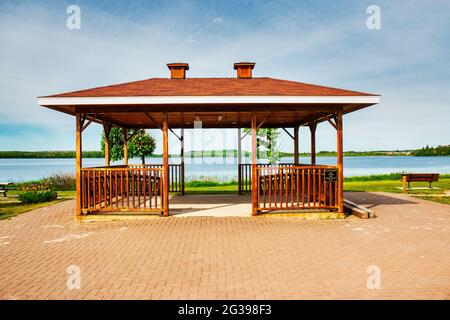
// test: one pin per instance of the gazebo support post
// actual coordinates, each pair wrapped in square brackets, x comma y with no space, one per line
[296,145]
[239,160]
[107,129]
[78,161]
[165,193]
[125,146]
[340,162]
[182,161]
[254,164]
[312,129]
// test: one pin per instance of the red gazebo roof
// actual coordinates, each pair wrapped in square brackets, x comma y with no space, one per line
[211,87]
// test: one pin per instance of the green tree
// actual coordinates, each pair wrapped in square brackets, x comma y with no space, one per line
[115,143]
[140,145]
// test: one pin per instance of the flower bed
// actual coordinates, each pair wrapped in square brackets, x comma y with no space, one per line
[35,192]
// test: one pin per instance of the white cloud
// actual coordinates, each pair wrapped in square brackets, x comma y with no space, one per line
[217,20]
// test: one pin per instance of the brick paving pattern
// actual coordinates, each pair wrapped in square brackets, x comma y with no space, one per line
[231,257]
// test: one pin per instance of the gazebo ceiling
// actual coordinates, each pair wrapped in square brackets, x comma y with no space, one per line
[217,102]
[214,119]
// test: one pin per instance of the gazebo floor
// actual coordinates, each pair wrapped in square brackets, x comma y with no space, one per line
[211,205]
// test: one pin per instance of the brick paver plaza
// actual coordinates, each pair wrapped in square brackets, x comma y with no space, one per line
[230,257]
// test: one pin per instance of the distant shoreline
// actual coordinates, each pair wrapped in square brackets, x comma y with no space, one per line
[438,151]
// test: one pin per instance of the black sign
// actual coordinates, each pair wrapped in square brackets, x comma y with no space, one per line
[331,175]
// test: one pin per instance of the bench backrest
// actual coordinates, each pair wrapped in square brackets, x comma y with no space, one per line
[417,177]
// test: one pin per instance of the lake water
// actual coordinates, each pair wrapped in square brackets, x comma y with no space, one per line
[223,169]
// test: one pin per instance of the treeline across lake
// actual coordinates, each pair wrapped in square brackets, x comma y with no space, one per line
[427,151]
[47,154]
[433,151]
[351,153]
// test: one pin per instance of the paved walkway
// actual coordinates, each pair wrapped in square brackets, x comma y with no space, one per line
[230,257]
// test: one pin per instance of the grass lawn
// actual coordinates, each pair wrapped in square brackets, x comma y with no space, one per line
[10,209]
[211,189]
[393,185]
[10,206]
[362,186]
[440,199]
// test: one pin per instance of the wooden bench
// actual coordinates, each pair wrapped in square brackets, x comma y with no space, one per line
[418,177]
[3,186]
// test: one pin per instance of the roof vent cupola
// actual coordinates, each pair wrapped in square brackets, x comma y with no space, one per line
[244,69]
[178,70]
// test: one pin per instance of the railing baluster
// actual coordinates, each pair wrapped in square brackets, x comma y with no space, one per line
[297,183]
[88,187]
[160,189]
[139,187]
[280,176]
[309,187]
[99,189]
[116,173]
[151,182]
[291,181]
[270,187]
[336,193]
[264,186]
[314,187]
[133,188]
[110,189]
[319,199]
[121,188]
[303,188]
[258,187]
[249,178]
[94,190]
[144,184]
[127,188]
[286,187]
[103,189]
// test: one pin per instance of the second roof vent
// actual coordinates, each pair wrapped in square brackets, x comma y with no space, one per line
[178,70]
[244,69]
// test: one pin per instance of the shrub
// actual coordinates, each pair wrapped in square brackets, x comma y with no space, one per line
[35,192]
[37,196]
[61,182]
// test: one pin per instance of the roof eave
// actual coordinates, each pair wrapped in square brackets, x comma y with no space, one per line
[181,100]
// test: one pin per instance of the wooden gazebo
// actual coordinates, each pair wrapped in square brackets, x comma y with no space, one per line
[176,103]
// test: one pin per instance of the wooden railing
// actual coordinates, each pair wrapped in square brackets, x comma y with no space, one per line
[121,189]
[296,187]
[176,175]
[245,175]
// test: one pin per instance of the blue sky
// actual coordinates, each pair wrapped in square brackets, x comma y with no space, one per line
[322,42]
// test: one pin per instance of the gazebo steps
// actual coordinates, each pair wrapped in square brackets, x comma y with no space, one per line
[358,210]
[307,215]
[115,217]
